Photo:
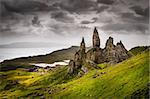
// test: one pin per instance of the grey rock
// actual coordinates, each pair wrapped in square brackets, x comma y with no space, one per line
[79,59]
[95,55]
[71,67]
[96,39]
[111,54]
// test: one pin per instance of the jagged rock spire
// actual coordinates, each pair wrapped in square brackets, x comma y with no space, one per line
[82,45]
[122,46]
[95,30]
[96,39]
[82,40]
[110,43]
[111,54]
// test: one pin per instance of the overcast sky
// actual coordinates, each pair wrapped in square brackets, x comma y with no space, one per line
[66,21]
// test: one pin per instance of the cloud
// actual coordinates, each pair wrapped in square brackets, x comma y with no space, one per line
[76,6]
[131,17]
[140,11]
[25,6]
[70,18]
[101,8]
[108,2]
[86,22]
[62,16]
[93,20]
[126,27]
[36,21]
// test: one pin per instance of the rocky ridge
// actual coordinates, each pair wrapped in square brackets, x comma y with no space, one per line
[111,54]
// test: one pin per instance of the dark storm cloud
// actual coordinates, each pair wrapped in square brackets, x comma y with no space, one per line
[101,8]
[108,2]
[62,16]
[125,27]
[24,6]
[36,21]
[140,11]
[77,6]
[130,17]
[6,31]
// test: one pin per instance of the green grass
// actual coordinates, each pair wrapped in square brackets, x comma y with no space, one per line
[104,65]
[138,49]
[118,81]
[124,80]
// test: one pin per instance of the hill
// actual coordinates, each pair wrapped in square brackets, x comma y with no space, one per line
[138,49]
[128,79]
[59,55]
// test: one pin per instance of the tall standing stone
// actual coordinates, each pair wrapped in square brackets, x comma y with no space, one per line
[82,45]
[82,53]
[96,39]
[95,53]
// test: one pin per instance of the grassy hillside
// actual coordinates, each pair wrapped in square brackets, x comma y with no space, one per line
[127,79]
[138,49]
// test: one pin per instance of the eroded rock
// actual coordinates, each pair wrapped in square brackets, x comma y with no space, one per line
[111,54]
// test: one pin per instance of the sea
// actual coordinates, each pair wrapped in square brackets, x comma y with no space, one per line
[11,53]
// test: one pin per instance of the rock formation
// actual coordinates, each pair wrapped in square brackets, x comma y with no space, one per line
[114,54]
[79,59]
[111,53]
[96,40]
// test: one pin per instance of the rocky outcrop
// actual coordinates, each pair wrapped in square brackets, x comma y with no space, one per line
[111,54]
[114,53]
[121,52]
[79,59]
[95,53]
[96,39]
[109,51]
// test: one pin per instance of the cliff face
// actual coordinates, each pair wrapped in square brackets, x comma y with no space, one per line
[111,54]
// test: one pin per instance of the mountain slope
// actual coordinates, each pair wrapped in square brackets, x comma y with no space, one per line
[49,58]
[138,49]
[59,55]
[127,79]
